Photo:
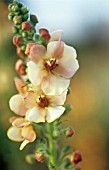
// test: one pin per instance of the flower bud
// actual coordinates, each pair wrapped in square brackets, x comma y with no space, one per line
[15,8]
[19,67]
[68,107]
[24,10]
[17,40]
[24,34]
[44,33]
[20,53]
[39,157]
[20,4]
[67,164]
[30,159]
[25,17]
[23,47]
[17,19]
[26,26]
[76,157]
[69,132]
[56,133]
[10,6]
[28,47]
[33,19]
[10,16]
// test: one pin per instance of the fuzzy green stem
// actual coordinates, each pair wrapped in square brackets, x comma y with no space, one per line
[52,146]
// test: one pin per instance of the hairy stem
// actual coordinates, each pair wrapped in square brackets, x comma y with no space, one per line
[52,146]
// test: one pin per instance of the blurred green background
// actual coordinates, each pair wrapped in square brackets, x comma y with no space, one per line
[87,29]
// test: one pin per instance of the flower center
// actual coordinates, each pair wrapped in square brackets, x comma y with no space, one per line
[43,101]
[51,64]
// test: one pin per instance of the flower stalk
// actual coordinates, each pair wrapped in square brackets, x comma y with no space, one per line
[52,147]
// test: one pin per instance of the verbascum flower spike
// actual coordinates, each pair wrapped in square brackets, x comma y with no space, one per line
[45,67]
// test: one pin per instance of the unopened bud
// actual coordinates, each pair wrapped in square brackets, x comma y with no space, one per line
[56,133]
[23,48]
[69,132]
[20,4]
[26,26]
[19,67]
[44,33]
[24,10]
[17,19]
[39,157]
[24,34]
[20,53]
[33,19]
[68,107]
[25,17]
[10,6]
[67,164]
[15,8]
[10,16]
[28,47]
[17,40]
[76,157]
[30,159]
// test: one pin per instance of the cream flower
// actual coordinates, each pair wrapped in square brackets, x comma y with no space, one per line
[52,68]
[16,102]
[43,107]
[21,131]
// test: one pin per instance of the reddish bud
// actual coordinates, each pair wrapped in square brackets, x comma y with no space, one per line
[17,40]
[20,53]
[20,68]
[26,26]
[44,33]
[70,132]
[28,47]
[76,157]
[39,157]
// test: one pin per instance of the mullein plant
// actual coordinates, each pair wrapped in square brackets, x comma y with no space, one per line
[45,66]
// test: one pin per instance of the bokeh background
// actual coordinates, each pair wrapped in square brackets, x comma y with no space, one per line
[86,27]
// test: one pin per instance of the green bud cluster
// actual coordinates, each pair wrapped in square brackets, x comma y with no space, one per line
[18,13]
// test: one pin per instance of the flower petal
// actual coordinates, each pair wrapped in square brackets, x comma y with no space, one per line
[68,64]
[54,85]
[20,122]
[21,86]
[59,99]
[14,134]
[37,52]
[13,118]
[30,99]
[54,113]
[24,143]
[34,70]
[56,36]
[28,133]
[35,115]
[17,105]
[55,49]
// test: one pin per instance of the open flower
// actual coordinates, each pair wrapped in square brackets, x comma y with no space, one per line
[21,131]
[16,102]
[43,108]
[52,68]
